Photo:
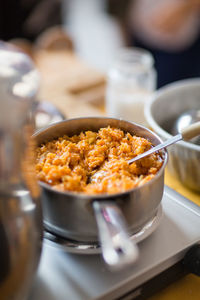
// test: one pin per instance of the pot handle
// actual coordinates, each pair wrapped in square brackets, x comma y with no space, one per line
[117,248]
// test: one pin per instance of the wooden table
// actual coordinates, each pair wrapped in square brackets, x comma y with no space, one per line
[61,73]
[71,85]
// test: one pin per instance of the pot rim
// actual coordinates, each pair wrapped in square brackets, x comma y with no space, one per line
[160,93]
[102,196]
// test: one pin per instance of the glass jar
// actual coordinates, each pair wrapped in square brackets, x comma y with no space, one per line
[131,82]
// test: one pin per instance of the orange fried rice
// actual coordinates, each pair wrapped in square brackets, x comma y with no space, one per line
[96,162]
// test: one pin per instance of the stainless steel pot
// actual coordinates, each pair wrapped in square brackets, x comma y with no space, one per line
[71,215]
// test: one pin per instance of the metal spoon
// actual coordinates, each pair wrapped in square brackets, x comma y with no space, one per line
[185,134]
[184,120]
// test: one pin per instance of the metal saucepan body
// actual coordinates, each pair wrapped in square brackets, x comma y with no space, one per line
[71,215]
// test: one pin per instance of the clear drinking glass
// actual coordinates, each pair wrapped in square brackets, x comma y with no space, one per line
[130,83]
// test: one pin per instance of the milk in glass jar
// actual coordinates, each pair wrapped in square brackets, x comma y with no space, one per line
[131,82]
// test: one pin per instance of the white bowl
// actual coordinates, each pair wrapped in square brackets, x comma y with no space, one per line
[166,105]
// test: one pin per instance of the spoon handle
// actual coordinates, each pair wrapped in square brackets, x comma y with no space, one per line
[191,131]
[186,134]
[168,142]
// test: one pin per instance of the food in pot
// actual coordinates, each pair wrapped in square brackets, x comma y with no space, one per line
[96,162]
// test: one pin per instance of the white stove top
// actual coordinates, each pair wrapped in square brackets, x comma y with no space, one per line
[62,275]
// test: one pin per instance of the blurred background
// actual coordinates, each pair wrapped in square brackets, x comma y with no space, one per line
[169,29]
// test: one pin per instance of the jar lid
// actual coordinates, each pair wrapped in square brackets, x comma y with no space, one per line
[133,60]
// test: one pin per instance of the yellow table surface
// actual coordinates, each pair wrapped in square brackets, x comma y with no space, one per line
[187,288]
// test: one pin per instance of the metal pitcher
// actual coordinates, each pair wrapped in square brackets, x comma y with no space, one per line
[20,209]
